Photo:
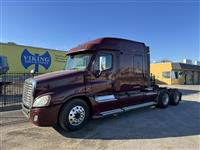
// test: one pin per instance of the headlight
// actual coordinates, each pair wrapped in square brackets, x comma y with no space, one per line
[42,101]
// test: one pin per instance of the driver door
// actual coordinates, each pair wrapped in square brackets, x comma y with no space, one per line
[101,81]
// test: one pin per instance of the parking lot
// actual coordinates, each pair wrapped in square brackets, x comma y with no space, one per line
[177,127]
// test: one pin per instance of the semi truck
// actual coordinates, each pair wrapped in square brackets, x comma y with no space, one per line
[3,65]
[102,77]
[3,69]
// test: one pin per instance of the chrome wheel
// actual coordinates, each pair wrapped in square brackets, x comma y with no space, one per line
[76,115]
[165,99]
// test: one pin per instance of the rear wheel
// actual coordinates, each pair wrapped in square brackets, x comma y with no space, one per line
[163,99]
[175,97]
[74,115]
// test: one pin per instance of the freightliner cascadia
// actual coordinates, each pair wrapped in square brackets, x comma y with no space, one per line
[102,77]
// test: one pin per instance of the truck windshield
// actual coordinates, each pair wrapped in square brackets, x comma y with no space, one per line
[78,62]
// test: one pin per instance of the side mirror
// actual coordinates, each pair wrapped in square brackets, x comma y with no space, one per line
[99,65]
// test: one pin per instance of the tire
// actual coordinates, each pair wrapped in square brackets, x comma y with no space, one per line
[175,97]
[163,99]
[74,115]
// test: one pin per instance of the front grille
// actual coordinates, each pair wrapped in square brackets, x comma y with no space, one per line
[28,93]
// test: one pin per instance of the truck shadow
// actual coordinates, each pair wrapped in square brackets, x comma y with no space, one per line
[184,91]
[146,123]
[188,92]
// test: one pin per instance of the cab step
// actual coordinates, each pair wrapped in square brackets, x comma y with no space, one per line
[124,109]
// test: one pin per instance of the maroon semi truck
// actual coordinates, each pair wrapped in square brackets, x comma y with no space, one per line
[102,77]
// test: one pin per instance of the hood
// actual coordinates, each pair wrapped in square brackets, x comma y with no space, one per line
[56,79]
[56,75]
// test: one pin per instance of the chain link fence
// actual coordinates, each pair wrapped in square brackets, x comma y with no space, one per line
[11,88]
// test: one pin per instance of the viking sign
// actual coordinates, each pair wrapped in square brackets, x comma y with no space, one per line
[28,59]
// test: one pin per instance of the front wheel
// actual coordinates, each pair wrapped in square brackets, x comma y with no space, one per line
[74,115]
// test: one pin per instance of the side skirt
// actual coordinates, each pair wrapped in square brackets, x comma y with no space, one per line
[124,109]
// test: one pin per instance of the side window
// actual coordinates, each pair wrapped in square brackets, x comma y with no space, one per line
[138,63]
[166,74]
[103,62]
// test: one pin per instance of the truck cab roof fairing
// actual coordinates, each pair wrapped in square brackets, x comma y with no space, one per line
[108,43]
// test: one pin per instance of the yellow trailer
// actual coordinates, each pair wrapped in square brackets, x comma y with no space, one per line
[22,59]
